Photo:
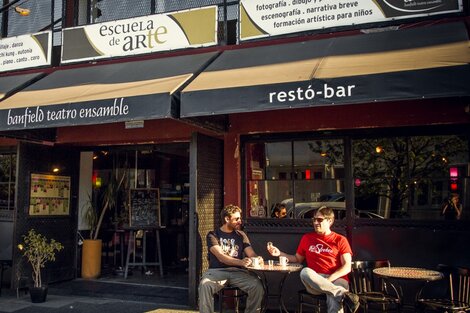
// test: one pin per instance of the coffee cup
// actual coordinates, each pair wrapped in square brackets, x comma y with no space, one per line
[283,261]
[255,262]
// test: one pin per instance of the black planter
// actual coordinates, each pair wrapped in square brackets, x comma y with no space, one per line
[38,294]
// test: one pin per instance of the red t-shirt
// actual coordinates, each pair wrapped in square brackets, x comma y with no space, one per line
[323,252]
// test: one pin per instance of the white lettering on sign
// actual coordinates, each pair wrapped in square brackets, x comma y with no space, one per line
[114,110]
[300,94]
[143,34]
[277,17]
[39,115]
[25,51]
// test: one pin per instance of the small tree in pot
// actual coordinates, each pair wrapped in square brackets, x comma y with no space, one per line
[38,250]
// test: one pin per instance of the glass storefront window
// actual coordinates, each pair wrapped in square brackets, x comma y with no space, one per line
[7,181]
[402,177]
[409,177]
[301,175]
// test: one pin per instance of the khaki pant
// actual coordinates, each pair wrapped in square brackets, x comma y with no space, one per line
[317,284]
[216,278]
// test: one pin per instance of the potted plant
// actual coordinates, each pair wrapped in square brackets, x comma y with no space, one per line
[38,250]
[91,249]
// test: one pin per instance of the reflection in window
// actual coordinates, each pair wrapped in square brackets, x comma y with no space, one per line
[301,175]
[7,181]
[409,177]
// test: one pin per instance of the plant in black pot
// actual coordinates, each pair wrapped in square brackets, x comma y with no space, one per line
[38,250]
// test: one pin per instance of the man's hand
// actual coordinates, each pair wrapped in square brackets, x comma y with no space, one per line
[274,251]
[246,262]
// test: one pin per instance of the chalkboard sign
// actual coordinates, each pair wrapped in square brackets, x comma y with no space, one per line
[144,207]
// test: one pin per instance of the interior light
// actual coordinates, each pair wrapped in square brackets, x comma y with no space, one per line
[454,172]
[22,11]
[307,174]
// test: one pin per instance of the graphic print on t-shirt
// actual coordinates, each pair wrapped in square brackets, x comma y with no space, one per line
[319,248]
[229,247]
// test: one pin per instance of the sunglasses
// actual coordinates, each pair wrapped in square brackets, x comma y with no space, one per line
[318,219]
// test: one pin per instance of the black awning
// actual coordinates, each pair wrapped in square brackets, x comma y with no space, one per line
[11,84]
[138,90]
[418,63]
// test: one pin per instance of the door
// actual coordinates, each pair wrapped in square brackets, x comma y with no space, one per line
[206,199]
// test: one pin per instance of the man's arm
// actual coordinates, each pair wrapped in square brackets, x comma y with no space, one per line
[250,252]
[458,208]
[297,258]
[345,268]
[444,208]
[228,260]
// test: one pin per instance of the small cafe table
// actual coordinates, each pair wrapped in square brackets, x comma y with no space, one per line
[284,271]
[409,273]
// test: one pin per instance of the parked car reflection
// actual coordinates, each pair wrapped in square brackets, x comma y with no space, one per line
[335,201]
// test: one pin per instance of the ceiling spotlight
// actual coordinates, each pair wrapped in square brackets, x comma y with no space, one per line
[22,11]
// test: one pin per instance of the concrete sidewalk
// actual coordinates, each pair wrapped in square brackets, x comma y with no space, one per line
[98,297]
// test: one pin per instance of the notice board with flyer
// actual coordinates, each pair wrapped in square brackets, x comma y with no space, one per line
[49,195]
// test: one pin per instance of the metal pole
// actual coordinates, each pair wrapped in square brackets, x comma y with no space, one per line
[225,24]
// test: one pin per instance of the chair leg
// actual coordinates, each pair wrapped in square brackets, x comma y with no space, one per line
[221,300]
[237,302]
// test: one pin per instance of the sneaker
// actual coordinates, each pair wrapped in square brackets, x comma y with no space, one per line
[352,301]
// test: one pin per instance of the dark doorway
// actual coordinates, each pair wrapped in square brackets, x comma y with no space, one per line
[165,167]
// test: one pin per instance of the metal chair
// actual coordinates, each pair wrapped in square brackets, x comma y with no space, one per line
[230,292]
[457,297]
[317,302]
[374,293]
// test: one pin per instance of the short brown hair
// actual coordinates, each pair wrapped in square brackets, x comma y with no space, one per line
[228,210]
[327,213]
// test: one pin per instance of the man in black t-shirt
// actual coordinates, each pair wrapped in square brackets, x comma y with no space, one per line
[229,253]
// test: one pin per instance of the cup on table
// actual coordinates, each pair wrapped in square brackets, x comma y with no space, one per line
[271,263]
[283,261]
[255,262]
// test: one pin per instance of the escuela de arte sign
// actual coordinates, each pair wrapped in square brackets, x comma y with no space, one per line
[141,35]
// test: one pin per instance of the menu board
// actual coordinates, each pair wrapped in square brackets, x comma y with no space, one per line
[144,207]
[49,195]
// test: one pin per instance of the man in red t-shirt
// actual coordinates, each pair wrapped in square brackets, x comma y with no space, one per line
[328,256]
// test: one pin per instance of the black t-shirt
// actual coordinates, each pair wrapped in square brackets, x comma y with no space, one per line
[233,244]
[451,211]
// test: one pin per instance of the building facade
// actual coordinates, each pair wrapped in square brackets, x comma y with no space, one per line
[354,105]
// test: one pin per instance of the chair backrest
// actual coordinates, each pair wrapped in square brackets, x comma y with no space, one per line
[459,282]
[362,279]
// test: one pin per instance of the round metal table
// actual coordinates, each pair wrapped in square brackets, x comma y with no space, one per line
[284,271]
[422,275]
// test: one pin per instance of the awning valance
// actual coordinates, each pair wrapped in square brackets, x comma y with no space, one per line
[138,90]
[425,62]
